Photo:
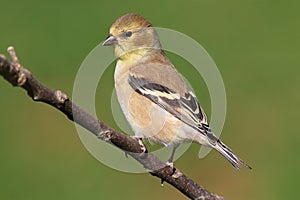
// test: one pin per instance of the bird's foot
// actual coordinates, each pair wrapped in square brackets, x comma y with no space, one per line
[175,172]
[141,143]
[170,164]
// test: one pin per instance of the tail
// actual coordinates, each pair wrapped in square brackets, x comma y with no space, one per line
[229,155]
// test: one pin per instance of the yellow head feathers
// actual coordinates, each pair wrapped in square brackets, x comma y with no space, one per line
[128,22]
[132,36]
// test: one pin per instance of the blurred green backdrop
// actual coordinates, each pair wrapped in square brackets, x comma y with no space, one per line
[255,44]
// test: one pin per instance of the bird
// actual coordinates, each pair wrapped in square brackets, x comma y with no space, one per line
[155,99]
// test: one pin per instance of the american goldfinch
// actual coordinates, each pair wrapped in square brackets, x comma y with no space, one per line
[154,97]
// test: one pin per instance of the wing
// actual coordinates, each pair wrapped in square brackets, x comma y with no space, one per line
[184,107]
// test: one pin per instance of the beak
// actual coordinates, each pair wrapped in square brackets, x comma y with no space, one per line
[110,41]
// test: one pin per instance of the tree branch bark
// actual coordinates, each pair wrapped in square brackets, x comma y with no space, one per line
[18,75]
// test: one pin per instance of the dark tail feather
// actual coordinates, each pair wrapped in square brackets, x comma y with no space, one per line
[229,155]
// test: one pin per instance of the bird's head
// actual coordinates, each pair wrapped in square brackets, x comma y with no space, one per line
[132,35]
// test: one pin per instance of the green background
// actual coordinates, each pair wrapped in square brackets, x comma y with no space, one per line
[255,44]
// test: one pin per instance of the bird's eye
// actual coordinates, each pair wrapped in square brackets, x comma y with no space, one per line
[128,33]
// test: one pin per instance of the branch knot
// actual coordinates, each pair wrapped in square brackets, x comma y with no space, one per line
[61,96]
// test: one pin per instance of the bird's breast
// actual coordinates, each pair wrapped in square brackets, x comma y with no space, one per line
[149,120]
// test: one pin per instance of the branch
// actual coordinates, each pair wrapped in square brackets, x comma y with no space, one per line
[17,75]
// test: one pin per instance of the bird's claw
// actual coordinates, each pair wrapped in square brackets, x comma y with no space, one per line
[141,143]
[170,164]
[126,154]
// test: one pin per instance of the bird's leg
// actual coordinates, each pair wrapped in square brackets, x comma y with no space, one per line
[171,159]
